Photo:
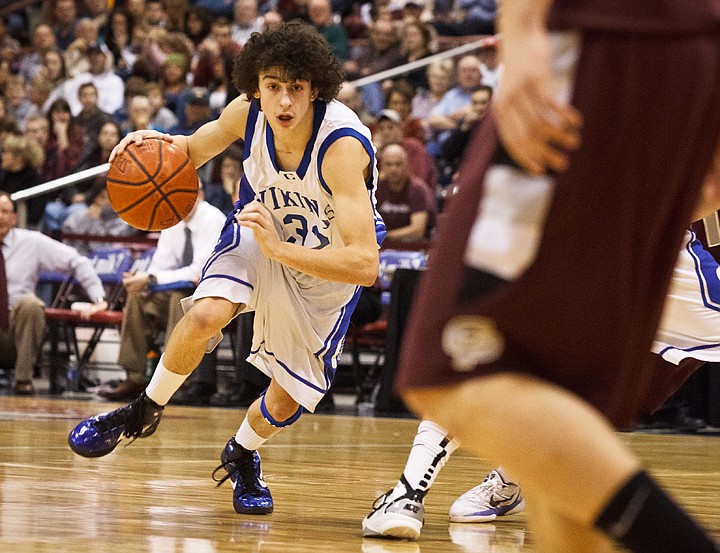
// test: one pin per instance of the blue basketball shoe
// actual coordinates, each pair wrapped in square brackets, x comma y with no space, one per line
[251,495]
[98,435]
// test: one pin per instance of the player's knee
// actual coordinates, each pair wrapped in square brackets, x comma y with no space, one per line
[280,413]
[209,315]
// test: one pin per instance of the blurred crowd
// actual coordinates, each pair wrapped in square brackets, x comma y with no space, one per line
[77,75]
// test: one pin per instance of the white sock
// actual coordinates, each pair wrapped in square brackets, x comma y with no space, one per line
[430,451]
[247,437]
[164,383]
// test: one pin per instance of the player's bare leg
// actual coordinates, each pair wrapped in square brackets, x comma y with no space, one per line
[555,532]
[569,460]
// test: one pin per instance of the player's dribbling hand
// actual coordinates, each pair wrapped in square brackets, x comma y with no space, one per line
[137,137]
[257,217]
[536,130]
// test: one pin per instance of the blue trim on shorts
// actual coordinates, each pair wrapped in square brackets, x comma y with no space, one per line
[688,350]
[229,240]
[228,277]
[706,269]
[291,373]
[336,336]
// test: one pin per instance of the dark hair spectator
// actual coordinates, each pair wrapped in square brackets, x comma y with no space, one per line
[66,139]
[399,98]
[62,18]
[417,41]
[118,37]
[198,21]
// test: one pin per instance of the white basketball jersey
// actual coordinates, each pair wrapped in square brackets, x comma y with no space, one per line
[300,200]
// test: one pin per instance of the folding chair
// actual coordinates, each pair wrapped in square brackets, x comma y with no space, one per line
[110,264]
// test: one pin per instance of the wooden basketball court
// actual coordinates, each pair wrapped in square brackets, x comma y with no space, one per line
[157,495]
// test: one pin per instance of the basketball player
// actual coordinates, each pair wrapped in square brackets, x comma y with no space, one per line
[301,242]
[688,337]
[541,300]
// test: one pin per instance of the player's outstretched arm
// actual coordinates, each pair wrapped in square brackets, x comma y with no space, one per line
[205,143]
[357,262]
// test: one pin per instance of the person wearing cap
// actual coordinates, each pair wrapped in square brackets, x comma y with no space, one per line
[110,87]
[389,130]
[197,111]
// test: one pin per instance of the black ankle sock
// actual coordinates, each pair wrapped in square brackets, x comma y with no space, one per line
[645,520]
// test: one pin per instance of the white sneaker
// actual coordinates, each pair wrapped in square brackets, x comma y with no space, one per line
[493,498]
[399,513]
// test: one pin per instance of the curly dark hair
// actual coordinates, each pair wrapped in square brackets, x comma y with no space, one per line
[299,50]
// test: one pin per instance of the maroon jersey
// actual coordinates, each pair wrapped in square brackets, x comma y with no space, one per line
[584,314]
[637,16]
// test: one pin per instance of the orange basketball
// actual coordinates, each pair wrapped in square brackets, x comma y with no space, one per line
[152,186]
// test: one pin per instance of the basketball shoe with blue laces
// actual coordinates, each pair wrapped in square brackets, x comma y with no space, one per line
[494,497]
[98,435]
[399,513]
[251,495]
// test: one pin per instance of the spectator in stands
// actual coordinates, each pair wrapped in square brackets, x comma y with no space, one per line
[399,99]
[43,41]
[469,17]
[91,117]
[440,78]
[109,86]
[38,92]
[219,87]
[66,141]
[198,21]
[9,46]
[453,106]
[452,150]
[217,47]
[176,10]
[98,150]
[321,17]
[8,127]
[118,38]
[162,118]
[139,115]
[351,97]
[54,71]
[25,253]
[95,217]
[155,13]
[181,253]
[389,130]
[383,52]
[174,81]
[97,11]
[219,8]
[63,20]
[76,54]
[245,21]
[404,201]
[22,158]
[136,9]
[197,112]
[134,86]
[272,20]
[18,106]
[416,42]
[225,193]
